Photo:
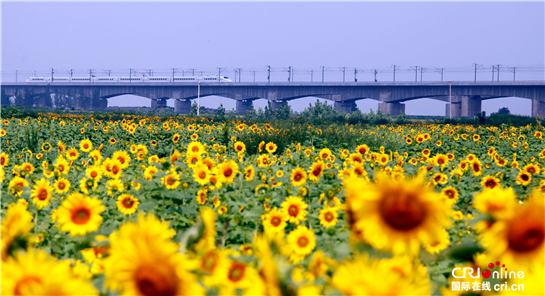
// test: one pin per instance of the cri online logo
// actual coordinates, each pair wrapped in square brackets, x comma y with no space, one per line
[487,273]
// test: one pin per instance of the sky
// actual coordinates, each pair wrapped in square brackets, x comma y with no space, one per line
[118,36]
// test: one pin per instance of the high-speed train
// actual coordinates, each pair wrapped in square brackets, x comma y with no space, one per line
[142,79]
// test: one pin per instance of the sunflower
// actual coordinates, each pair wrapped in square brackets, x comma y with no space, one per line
[531,169]
[61,185]
[94,172]
[36,273]
[227,171]
[122,157]
[450,194]
[241,276]
[72,154]
[524,178]
[274,221]
[127,204]
[149,172]
[201,174]
[328,217]
[476,167]
[490,182]
[85,145]
[153,142]
[96,155]
[439,178]
[441,244]
[396,216]
[316,170]
[362,149]
[518,240]
[175,138]
[114,186]
[294,209]
[386,276]
[195,148]
[249,173]
[171,181]
[17,222]
[271,147]
[42,193]
[16,186]
[62,166]
[239,147]
[46,147]
[383,159]
[80,214]
[144,261]
[302,240]
[298,177]
[497,202]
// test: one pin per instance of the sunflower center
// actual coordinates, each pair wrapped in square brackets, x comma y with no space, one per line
[228,172]
[402,211]
[115,169]
[94,174]
[531,170]
[81,216]
[202,175]
[42,195]
[302,241]
[236,272]
[297,177]
[490,183]
[293,210]
[195,149]
[275,221]
[85,146]
[524,177]
[450,194]
[128,203]
[317,171]
[526,236]
[151,281]
[61,186]
[210,261]
[328,217]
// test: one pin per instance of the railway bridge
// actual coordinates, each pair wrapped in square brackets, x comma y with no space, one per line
[463,97]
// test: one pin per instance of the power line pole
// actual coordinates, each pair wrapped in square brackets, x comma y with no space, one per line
[499,72]
[513,69]
[235,74]
[311,76]
[395,67]
[130,75]
[254,76]
[415,73]
[421,71]
[493,68]
[475,80]
[323,69]
[192,72]
[355,75]
[269,73]
[376,75]
[239,74]
[16,76]
[219,75]
[344,70]
[173,70]
[52,72]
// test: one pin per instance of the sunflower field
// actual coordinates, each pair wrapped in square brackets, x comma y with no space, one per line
[189,206]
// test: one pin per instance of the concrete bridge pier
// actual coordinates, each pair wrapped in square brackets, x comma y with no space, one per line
[243,106]
[393,109]
[456,107]
[346,107]
[158,103]
[471,106]
[182,106]
[538,108]
[277,103]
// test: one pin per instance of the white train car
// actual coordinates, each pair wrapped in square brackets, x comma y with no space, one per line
[158,79]
[38,79]
[131,79]
[105,79]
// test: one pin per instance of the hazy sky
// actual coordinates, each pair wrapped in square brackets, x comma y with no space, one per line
[37,36]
